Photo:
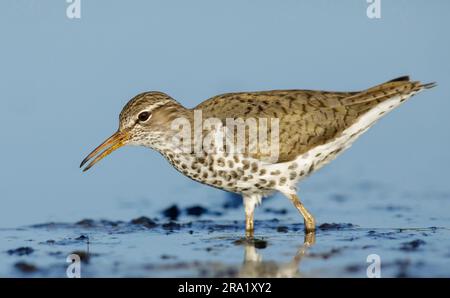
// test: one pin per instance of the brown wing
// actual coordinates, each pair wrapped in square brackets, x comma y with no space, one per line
[306,118]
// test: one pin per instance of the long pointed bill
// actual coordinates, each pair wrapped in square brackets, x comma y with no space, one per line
[114,142]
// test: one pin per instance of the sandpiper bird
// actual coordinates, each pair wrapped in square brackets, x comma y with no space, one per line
[313,128]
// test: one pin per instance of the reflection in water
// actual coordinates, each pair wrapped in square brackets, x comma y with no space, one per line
[254,266]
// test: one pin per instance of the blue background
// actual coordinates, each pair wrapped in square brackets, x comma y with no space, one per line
[63,83]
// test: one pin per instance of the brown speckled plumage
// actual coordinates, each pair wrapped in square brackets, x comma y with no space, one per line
[307,118]
[314,127]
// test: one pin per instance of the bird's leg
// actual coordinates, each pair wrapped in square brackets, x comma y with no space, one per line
[310,223]
[310,238]
[249,225]
[249,206]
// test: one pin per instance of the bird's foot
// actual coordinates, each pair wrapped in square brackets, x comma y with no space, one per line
[310,224]
[249,233]
[310,238]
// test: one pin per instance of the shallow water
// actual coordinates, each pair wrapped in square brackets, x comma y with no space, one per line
[207,242]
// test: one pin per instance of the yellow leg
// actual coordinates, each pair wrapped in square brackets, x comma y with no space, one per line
[249,206]
[249,225]
[310,223]
[310,238]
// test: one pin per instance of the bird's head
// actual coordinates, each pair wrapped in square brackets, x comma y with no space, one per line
[144,120]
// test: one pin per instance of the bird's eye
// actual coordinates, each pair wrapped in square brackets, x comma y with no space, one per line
[143,116]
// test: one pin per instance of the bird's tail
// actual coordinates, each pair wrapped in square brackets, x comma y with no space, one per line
[401,86]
